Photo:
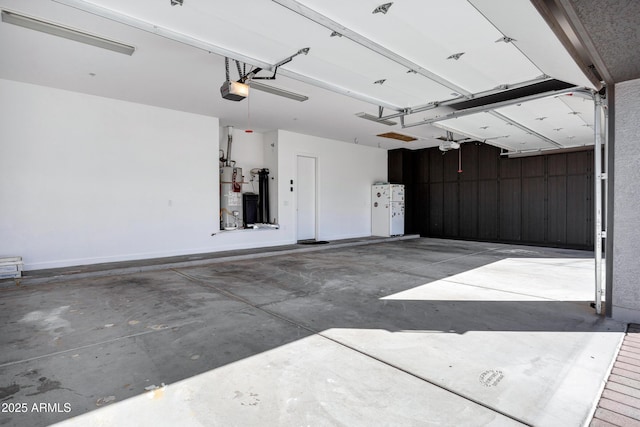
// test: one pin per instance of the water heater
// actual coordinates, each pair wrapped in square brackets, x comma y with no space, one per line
[230,197]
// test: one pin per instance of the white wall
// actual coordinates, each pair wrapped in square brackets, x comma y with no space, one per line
[345,175]
[85,179]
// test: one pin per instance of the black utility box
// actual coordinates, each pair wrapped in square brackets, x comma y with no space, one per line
[249,209]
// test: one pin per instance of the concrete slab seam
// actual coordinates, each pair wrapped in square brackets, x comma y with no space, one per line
[82,347]
[464,256]
[342,344]
[25,281]
[499,290]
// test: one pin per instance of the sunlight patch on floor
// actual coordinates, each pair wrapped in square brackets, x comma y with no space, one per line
[512,279]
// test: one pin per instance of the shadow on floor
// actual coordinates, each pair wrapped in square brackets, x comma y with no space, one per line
[83,341]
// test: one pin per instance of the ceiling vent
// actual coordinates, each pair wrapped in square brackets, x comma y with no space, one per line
[398,136]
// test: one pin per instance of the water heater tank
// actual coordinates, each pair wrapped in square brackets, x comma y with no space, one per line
[230,197]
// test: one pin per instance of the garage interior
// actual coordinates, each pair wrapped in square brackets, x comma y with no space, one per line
[139,139]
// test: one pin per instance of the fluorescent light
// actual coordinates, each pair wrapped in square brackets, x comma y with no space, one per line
[376,119]
[65,32]
[277,91]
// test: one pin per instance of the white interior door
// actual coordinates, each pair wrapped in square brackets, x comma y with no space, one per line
[306,197]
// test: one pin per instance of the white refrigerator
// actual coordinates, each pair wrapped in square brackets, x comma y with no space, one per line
[387,210]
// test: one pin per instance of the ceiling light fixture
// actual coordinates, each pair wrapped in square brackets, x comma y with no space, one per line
[448,143]
[277,91]
[65,32]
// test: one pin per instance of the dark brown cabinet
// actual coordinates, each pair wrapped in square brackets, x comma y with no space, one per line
[541,200]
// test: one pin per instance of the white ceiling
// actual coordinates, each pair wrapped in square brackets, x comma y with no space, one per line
[337,74]
[564,121]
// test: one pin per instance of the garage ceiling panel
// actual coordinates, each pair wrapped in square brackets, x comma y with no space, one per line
[519,20]
[344,63]
[495,131]
[427,33]
[555,119]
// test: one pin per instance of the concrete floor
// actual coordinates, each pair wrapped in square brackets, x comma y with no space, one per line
[409,332]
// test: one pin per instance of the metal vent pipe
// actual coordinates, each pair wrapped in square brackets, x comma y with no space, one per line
[229,143]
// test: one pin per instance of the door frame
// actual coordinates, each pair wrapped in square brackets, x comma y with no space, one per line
[296,187]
